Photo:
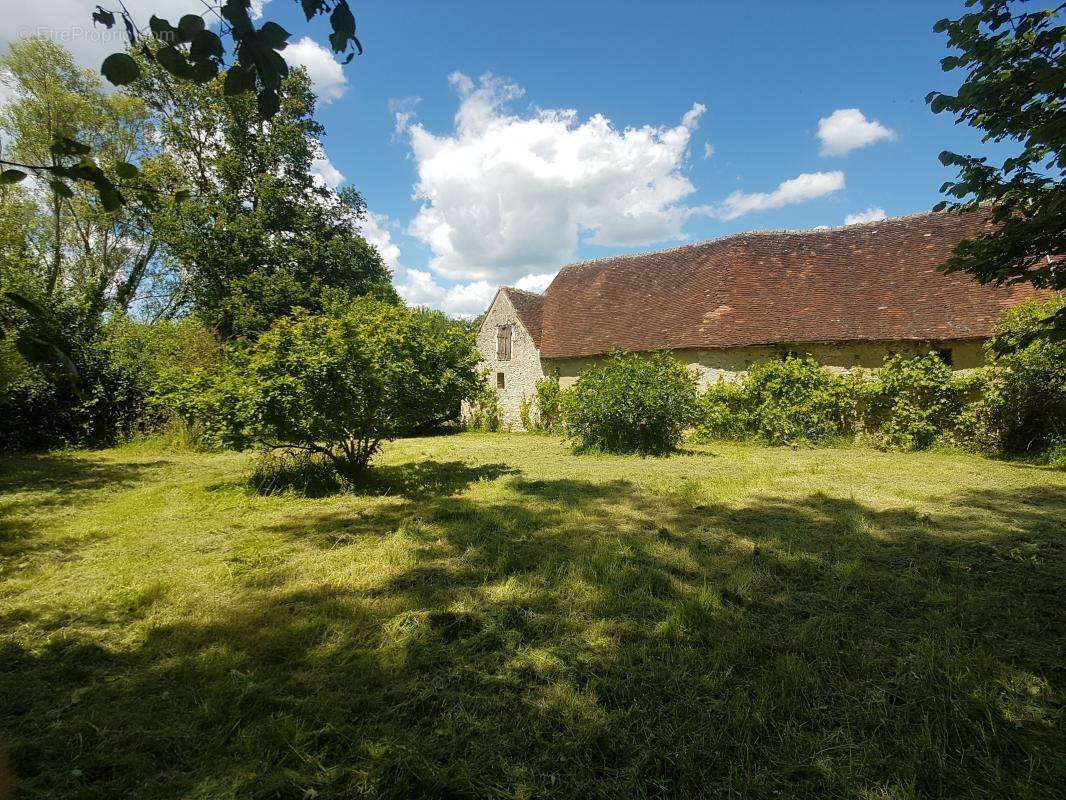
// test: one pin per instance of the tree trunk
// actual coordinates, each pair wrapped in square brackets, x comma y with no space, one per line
[128,289]
[57,245]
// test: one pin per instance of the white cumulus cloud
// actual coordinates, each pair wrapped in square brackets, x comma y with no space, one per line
[506,195]
[535,283]
[872,214]
[323,171]
[807,186]
[708,149]
[847,129]
[418,287]
[327,74]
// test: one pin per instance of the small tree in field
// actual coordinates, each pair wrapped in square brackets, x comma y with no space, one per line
[338,383]
[632,403]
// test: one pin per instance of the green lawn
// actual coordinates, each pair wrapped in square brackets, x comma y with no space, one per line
[501,618]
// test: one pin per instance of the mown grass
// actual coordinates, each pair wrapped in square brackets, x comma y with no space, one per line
[500,618]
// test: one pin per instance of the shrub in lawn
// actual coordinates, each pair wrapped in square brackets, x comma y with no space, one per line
[794,400]
[155,355]
[336,384]
[913,401]
[1021,409]
[632,403]
[791,400]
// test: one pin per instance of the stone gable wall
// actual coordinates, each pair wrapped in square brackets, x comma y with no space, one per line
[523,370]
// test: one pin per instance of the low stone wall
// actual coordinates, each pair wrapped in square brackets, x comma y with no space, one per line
[732,362]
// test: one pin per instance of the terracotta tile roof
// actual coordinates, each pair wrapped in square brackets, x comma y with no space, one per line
[529,306]
[866,282]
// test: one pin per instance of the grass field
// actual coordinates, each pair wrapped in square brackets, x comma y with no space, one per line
[500,618]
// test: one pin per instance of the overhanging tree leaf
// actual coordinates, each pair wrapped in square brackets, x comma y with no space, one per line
[206,44]
[126,170]
[163,30]
[268,103]
[274,35]
[172,60]
[120,69]
[188,26]
[239,79]
[104,17]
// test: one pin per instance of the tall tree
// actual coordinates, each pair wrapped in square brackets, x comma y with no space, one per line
[83,247]
[260,234]
[1013,60]
[191,51]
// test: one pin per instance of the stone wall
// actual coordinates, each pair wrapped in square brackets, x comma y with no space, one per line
[731,362]
[521,372]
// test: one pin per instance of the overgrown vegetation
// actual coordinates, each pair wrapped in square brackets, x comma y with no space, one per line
[484,413]
[631,403]
[1022,404]
[501,617]
[791,400]
[336,384]
[912,402]
[1014,405]
[91,291]
[548,403]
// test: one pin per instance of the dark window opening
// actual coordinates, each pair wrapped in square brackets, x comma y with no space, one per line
[499,380]
[503,343]
[945,355]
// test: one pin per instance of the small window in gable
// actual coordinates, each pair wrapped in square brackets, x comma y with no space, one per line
[500,381]
[503,343]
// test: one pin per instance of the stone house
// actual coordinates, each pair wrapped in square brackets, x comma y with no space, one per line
[848,296]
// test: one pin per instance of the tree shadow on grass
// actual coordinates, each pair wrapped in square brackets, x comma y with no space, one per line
[414,479]
[31,486]
[577,639]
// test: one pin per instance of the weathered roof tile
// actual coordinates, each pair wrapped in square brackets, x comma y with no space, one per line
[867,282]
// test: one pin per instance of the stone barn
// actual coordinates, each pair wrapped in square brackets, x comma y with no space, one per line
[848,296]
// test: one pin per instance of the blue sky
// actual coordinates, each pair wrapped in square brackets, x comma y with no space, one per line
[541,170]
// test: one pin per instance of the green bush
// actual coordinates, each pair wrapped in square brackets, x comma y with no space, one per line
[631,403]
[913,402]
[336,384]
[724,412]
[84,383]
[155,356]
[63,388]
[484,412]
[790,400]
[548,404]
[1021,409]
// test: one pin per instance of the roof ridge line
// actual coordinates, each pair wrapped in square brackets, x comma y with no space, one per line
[523,291]
[821,230]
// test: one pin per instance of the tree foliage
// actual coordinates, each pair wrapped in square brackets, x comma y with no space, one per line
[261,235]
[337,383]
[188,52]
[1022,405]
[69,240]
[1013,60]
